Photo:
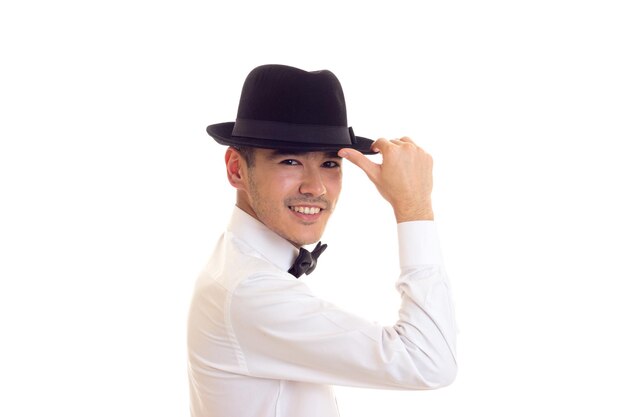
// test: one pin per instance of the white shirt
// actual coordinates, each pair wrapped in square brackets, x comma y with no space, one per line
[261,344]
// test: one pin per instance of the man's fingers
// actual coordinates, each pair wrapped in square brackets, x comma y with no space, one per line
[381,145]
[360,160]
[402,141]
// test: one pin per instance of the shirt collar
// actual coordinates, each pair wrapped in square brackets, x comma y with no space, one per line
[259,237]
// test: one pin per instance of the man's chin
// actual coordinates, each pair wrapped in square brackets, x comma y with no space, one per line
[305,239]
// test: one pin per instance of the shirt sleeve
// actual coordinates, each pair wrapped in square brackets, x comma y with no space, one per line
[284,332]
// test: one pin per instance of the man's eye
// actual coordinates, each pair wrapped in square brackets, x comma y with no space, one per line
[289,162]
[331,164]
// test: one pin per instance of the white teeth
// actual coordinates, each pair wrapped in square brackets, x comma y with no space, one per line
[306,210]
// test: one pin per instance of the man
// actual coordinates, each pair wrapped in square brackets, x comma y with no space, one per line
[260,342]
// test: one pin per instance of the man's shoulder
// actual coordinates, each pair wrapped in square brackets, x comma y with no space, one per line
[235,262]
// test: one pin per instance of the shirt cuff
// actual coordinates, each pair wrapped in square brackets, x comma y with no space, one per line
[418,243]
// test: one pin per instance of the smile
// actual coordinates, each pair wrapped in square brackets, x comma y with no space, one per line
[305,210]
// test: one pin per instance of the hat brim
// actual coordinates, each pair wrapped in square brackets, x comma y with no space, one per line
[222,133]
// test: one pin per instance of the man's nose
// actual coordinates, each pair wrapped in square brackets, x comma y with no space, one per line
[312,183]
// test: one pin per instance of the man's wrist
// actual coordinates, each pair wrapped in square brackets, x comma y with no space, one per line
[413,214]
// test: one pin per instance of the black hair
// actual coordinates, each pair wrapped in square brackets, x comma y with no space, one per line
[247,152]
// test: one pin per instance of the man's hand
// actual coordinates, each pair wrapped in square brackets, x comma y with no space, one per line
[404,178]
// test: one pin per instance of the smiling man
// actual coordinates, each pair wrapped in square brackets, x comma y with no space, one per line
[260,342]
[292,193]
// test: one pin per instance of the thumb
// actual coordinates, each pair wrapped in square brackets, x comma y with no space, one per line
[360,160]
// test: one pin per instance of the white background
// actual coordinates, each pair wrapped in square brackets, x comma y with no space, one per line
[112,194]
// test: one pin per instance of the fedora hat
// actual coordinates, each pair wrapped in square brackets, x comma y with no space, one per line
[287,108]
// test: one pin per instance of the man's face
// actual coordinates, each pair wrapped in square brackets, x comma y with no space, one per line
[291,193]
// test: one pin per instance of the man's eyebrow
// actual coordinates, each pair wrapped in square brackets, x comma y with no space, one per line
[283,152]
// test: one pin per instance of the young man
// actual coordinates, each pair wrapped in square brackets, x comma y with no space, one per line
[260,343]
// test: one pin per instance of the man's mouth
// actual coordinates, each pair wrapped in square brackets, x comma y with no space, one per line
[305,209]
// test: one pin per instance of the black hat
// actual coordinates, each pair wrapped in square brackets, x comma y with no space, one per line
[288,108]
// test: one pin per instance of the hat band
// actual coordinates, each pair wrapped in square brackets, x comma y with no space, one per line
[294,132]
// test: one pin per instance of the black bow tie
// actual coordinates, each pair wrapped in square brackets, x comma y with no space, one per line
[306,261]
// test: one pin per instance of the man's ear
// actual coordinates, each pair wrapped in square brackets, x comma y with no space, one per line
[235,168]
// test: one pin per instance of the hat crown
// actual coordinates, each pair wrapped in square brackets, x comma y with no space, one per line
[286,94]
